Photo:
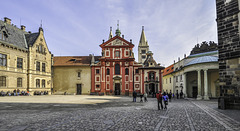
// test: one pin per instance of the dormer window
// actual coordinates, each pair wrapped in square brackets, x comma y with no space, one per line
[3,36]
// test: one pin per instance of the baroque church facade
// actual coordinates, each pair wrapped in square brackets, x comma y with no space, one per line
[114,73]
[25,60]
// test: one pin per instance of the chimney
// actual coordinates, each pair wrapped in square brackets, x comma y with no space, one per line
[184,55]
[23,27]
[123,36]
[174,61]
[178,58]
[7,20]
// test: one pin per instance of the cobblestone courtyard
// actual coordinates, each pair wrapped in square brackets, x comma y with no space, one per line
[112,113]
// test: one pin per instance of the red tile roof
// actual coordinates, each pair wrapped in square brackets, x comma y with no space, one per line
[168,70]
[73,60]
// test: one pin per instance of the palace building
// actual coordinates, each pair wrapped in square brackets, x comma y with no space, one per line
[114,73]
[195,75]
[25,60]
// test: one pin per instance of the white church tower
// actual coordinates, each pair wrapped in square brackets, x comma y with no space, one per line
[143,47]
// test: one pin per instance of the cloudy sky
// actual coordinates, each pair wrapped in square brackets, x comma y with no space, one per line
[77,27]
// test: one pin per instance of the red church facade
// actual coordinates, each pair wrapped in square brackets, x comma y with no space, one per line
[117,73]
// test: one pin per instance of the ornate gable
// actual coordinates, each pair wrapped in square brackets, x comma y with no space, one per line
[117,41]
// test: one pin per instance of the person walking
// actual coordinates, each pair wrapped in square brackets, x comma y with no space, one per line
[159,99]
[141,96]
[145,97]
[134,96]
[165,100]
[177,94]
[181,95]
[170,95]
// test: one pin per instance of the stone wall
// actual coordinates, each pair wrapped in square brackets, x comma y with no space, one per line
[229,46]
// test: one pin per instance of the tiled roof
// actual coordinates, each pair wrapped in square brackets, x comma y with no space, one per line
[73,60]
[168,70]
[31,38]
[15,35]
[203,59]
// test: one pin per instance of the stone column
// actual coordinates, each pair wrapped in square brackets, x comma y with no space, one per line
[199,96]
[206,97]
[185,84]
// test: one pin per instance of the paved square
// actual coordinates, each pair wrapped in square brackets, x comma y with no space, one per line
[111,113]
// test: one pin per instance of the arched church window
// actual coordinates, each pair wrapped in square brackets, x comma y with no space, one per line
[117,69]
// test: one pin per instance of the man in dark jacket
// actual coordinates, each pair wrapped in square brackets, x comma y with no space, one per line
[159,99]
[134,96]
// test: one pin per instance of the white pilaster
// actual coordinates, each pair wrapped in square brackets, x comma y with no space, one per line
[199,96]
[184,85]
[206,97]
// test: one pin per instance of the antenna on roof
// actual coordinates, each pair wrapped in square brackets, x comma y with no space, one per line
[41,24]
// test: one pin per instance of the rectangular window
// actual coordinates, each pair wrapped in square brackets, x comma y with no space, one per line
[97,78]
[117,53]
[43,84]
[37,83]
[79,74]
[176,78]
[143,51]
[108,71]
[3,60]
[136,78]
[97,71]
[43,67]
[143,57]
[19,82]
[136,71]
[19,63]
[38,66]
[2,81]
[170,80]
[180,77]
[97,86]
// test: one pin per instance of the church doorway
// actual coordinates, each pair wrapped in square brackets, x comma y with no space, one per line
[152,90]
[117,88]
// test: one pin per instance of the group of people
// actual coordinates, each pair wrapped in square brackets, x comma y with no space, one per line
[163,97]
[179,94]
[14,93]
[41,93]
[141,96]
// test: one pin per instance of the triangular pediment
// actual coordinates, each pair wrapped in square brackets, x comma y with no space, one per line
[116,41]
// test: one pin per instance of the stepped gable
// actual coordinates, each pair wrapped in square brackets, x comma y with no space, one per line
[204,47]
